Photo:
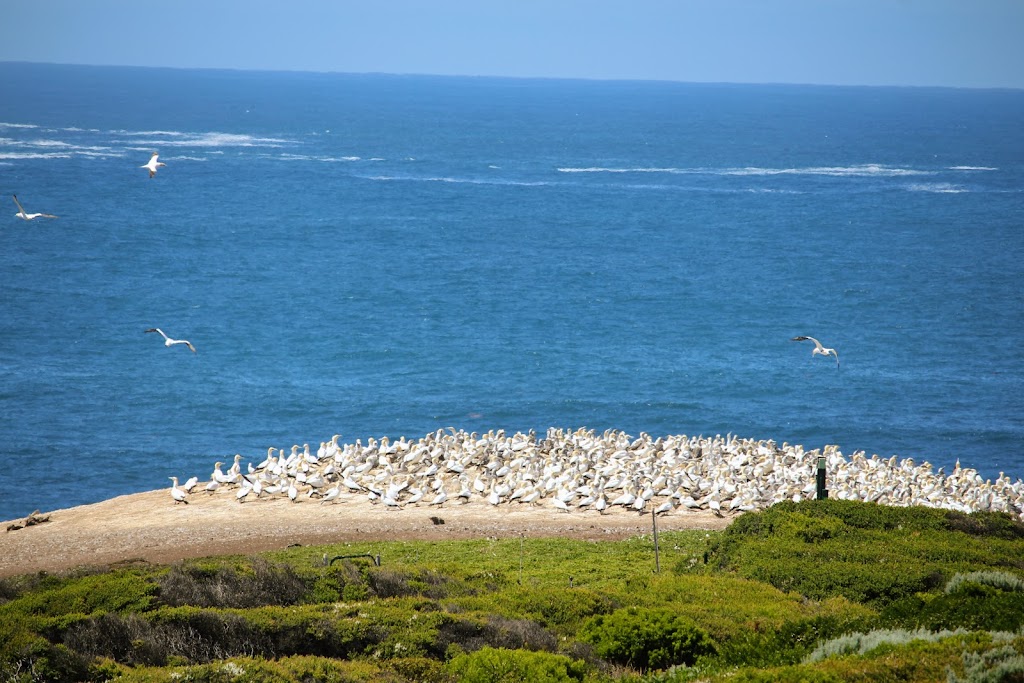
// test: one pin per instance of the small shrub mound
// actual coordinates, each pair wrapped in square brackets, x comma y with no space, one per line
[490,665]
[998,665]
[266,584]
[646,639]
[826,548]
[1000,580]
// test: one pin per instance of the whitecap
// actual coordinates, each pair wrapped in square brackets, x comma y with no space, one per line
[972,168]
[466,181]
[34,155]
[859,170]
[100,155]
[17,125]
[942,188]
[175,138]
[46,143]
[866,170]
[121,131]
[335,159]
[605,169]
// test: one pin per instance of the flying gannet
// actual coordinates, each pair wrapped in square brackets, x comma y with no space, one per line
[28,216]
[171,342]
[153,164]
[819,349]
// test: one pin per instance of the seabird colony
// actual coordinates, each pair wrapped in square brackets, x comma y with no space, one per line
[578,471]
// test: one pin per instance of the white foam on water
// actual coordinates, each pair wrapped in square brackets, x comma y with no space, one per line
[46,143]
[605,169]
[461,181]
[35,155]
[208,139]
[859,170]
[100,155]
[941,188]
[972,168]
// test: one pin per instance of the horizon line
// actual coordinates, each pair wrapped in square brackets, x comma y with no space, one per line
[505,77]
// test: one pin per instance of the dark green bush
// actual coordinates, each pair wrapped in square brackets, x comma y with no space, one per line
[646,638]
[107,592]
[974,607]
[788,644]
[865,552]
[490,665]
[558,607]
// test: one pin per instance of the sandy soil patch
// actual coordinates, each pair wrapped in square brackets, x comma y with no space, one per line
[149,526]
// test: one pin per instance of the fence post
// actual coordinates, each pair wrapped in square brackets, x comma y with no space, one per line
[822,491]
[657,558]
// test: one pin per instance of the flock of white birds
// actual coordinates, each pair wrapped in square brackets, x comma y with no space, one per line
[579,471]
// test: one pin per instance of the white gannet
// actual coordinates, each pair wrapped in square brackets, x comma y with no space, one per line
[28,216]
[819,349]
[153,164]
[177,494]
[171,342]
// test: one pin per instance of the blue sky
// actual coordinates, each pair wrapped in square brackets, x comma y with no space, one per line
[960,43]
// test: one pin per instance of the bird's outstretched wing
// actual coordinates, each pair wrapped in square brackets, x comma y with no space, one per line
[157,329]
[816,342]
[21,209]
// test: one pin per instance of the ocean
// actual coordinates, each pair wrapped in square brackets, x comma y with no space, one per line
[381,255]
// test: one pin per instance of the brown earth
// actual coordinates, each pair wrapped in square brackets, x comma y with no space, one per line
[151,527]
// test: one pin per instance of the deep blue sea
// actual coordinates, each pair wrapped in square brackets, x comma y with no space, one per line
[378,255]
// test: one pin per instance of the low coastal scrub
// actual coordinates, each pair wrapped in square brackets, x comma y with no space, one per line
[821,590]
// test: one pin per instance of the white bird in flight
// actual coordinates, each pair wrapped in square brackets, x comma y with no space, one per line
[819,349]
[171,342]
[153,164]
[28,216]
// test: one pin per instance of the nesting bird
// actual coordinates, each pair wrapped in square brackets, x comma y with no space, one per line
[573,472]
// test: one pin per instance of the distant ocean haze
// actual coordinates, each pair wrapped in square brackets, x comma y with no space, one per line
[383,255]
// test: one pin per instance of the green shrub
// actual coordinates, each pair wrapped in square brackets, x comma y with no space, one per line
[490,665]
[646,638]
[972,606]
[557,607]
[789,643]
[997,665]
[862,643]
[868,553]
[355,592]
[108,592]
[1002,580]
[986,524]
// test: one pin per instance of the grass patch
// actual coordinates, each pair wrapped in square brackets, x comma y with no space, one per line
[754,602]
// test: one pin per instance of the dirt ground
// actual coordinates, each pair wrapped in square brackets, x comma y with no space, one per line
[151,527]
